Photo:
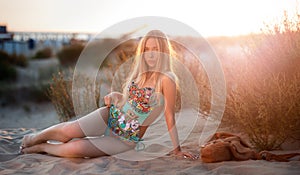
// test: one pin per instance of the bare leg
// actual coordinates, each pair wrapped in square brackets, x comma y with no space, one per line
[95,147]
[93,124]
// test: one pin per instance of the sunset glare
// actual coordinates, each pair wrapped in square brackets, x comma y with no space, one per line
[209,18]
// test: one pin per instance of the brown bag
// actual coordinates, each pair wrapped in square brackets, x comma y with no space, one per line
[226,146]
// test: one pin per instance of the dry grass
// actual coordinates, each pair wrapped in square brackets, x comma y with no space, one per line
[69,55]
[60,94]
[200,78]
[43,53]
[263,86]
[268,112]
[88,92]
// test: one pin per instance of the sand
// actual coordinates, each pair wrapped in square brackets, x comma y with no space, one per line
[16,122]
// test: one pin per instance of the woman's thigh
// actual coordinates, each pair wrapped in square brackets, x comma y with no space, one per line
[87,147]
[109,145]
[94,123]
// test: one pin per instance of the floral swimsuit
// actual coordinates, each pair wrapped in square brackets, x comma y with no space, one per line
[125,122]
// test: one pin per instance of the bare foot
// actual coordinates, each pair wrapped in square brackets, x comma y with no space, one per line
[28,141]
[33,149]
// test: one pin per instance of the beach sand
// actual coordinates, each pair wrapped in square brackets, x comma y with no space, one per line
[18,120]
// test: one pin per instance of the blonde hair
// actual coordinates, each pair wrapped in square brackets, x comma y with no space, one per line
[139,69]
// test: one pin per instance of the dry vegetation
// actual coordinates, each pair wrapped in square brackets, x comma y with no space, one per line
[200,78]
[70,54]
[60,94]
[63,95]
[263,86]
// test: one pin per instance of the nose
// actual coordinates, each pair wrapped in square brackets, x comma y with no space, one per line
[151,54]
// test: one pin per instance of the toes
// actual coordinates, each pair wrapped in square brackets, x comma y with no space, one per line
[26,141]
[27,150]
[30,150]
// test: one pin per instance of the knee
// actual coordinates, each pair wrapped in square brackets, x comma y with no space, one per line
[74,149]
[70,130]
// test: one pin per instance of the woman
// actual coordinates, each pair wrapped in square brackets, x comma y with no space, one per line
[126,116]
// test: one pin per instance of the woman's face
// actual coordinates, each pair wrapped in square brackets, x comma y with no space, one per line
[151,53]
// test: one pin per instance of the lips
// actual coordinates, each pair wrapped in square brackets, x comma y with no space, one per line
[152,62]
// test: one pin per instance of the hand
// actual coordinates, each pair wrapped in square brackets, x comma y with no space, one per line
[107,100]
[185,155]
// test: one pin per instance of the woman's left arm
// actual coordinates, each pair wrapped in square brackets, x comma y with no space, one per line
[169,92]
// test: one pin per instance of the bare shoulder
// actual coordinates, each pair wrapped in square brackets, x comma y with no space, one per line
[168,79]
[169,76]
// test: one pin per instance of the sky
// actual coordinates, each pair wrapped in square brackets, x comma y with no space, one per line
[208,17]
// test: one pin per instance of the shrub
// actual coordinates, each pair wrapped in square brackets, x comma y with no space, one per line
[19,60]
[268,112]
[60,94]
[38,92]
[69,54]
[4,55]
[13,59]
[7,71]
[43,53]
[190,62]
[264,103]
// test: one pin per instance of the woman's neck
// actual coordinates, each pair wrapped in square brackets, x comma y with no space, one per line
[152,79]
[149,75]
[148,79]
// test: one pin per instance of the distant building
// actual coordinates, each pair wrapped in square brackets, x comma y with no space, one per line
[10,46]
[4,36]
[28,43]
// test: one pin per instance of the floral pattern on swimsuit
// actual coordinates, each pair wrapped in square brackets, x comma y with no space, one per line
[139,98]
[123,124]
[126,124]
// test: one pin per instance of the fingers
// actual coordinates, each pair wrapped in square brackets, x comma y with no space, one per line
[107,100]
[187,155]
[190,156]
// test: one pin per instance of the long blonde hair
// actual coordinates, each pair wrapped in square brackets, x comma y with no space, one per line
[139,69]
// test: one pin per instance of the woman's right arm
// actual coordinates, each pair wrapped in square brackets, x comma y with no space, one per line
[112,97]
